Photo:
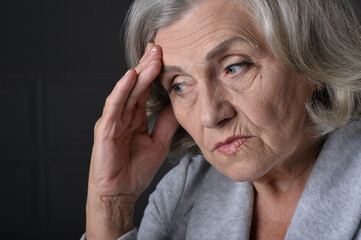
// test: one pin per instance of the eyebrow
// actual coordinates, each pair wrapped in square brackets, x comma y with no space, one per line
[216,51]
[223,47]
[171,68]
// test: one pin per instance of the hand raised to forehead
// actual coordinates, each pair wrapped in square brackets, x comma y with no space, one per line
[125,156]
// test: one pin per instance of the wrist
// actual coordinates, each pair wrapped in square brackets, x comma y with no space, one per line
[109,217]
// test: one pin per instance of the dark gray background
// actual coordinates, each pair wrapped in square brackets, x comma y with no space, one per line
[59,61]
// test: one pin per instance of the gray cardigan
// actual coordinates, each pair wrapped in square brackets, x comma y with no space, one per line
[195,201]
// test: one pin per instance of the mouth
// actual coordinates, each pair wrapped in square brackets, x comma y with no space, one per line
[231,145]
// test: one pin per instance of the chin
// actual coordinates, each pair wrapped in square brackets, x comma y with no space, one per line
[244,171]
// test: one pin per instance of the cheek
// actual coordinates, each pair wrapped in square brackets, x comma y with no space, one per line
[184,105]
[276,114]
[258,103]
[184,114]
[275,100]
[189,119]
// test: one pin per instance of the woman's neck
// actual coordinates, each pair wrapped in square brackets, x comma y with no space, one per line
[278,192]
[290,175]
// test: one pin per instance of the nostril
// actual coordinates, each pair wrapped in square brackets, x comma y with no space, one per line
[226,113]
[215,110]
[218,116]
[224,122]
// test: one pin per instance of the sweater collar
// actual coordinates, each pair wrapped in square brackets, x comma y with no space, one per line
[330,205]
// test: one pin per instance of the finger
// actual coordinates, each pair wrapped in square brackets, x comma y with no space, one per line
[145,78]
[144,97]
[147,50]
[165,126]
[148,70]
[153,54]
[114,104]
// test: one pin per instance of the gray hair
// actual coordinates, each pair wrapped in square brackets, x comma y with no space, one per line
[319,39]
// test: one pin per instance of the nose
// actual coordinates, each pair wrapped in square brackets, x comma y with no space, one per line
[214,109]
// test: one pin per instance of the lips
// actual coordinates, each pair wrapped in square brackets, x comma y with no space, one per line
[231,145]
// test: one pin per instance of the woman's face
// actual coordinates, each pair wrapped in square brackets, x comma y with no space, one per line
[244,109]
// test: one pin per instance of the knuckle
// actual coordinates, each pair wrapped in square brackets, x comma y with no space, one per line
[138,68]
[97,126]
[109,100]
[97,123]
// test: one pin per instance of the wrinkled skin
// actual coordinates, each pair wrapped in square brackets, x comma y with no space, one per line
[125,156]
[244,109]
[241,91]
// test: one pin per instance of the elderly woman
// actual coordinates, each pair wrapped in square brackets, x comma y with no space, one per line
[261,98]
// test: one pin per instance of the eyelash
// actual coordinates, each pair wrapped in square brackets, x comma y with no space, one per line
[173,86]
[226,69]
[241,64]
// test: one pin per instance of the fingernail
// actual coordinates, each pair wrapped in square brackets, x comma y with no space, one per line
[153,50]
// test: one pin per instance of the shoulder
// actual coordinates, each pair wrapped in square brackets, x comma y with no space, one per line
[189,172]
[330,205]
[345,143]
[179,185]
[174,196]
[340,157]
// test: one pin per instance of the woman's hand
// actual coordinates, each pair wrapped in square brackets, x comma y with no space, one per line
[125,156]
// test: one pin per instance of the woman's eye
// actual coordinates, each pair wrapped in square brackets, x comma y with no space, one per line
[179,88]
[236,68]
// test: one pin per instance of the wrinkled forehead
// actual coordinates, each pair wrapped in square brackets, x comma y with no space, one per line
[207,23]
